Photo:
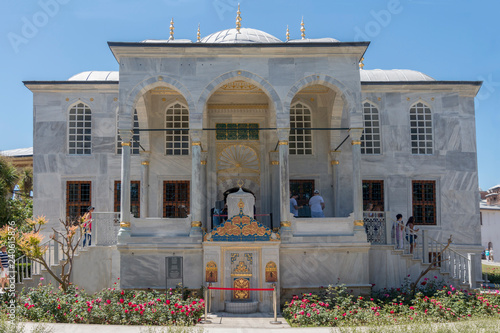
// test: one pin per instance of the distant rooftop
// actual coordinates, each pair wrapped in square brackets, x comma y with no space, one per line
[20,152]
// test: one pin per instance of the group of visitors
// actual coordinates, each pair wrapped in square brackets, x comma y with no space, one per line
[316,203]
[410,233]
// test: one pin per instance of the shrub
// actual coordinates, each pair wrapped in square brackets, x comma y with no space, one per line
[109,306]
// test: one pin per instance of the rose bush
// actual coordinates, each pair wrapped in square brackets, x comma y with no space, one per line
[109,306]
[336,307]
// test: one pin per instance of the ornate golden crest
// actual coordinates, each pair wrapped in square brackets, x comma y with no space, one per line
[241,283]
[271,272]
[211,272]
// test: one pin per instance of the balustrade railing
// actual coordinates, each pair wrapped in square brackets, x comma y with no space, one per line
[376,227]
[105,227]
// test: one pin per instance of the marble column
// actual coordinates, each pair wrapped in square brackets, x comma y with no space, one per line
[275,187]
[203,189]
[196,193]
[125,233]
[357,183]
[284,186]
[145,184]
[335,154]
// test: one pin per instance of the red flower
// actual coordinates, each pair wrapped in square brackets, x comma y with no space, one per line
[123,293]
[122,300]
[59,306]
[108,301]
[167,301]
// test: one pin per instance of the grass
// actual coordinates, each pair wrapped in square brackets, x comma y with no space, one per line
[493,273]
[483,325]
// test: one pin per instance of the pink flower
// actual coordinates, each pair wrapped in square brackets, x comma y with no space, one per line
[41,279]
[412,308]
[308,315]
[108,301]
[122,300]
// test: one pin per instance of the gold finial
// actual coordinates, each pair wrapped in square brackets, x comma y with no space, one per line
[361,65]
[240,183]
[287,34]
[198,35]
[238,19]
[302,29]
[172,29]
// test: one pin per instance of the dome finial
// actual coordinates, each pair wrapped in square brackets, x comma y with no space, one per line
[302,29]
[287,33]
[238,19]
[198,35]
[361,65]
[172,29]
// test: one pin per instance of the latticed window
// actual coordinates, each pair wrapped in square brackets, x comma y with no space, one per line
[177,141]
[136,138]
[237,131]
[80,130]
[421,129]
[135,197]
[175,198]
[300,140]
[370,140]
[424,201]
[78,198]
[373,195]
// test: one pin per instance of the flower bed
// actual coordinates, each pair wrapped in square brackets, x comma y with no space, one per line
[109,306]
[336,307]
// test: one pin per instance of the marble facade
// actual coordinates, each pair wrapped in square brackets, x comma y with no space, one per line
[256,82]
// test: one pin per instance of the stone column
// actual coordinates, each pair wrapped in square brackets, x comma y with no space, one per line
[275,187]
[145,184]
[125,233]
[335,154]
[357,183]
[196,194]
[203,189]
[284,186]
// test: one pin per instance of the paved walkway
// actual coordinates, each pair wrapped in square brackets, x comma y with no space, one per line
[220,323]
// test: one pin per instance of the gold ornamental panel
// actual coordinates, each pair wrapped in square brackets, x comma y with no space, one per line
[241,283]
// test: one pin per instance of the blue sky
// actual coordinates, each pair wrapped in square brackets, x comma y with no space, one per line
[446,39]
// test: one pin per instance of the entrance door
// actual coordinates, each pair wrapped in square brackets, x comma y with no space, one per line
[304,189]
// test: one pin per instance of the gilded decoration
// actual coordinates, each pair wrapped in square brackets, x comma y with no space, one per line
[239,86]
[238,159]
[241,283]
[242,268]
[211,272]
[241,228]
[234,256]
[249,257]
[271,272]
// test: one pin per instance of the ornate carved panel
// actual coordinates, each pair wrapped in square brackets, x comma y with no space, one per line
[211,272]
[271,272]
[238,159]
[241,283]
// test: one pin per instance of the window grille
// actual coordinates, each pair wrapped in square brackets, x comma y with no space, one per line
[135,197]
[177,141]
[370,140]
[421,129]
[176,198]
[78,198]
[424,201]
[300,140]
[80,130]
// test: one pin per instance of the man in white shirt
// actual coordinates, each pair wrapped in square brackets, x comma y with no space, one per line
[317,205]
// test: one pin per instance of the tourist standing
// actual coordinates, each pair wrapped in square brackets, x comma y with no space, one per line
[4,271]
[400,227]
[317,205]
[411,235]
[87,226]
[294,208]
[487,254]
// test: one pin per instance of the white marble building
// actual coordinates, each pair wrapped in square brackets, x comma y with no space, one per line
[185,121]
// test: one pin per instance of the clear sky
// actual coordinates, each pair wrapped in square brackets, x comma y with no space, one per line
[446,39]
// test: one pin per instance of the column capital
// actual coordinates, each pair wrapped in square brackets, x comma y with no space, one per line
[355,134]
[283,134]
[125,136]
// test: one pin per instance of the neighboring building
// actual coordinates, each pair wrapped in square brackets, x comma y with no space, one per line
[20,158]
[490,218]
[186,123]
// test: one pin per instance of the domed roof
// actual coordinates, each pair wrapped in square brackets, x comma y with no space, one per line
[95,76]
[386,75]
[245,35]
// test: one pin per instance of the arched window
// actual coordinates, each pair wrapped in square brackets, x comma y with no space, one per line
[80,130]
[300,141]
[421,129]
[177,141]
[370,141]
[136,138]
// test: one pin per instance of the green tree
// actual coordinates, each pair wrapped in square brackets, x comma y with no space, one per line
[9,177]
